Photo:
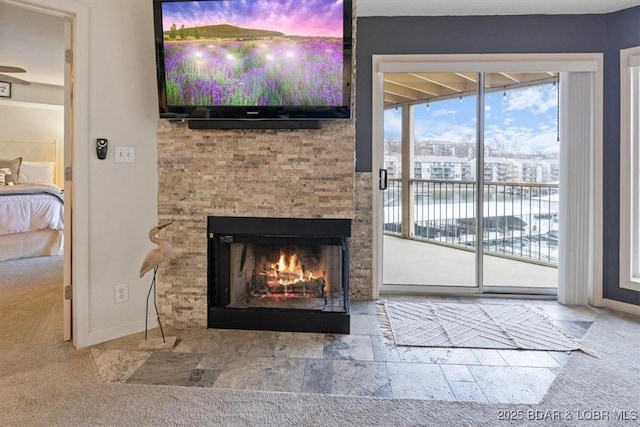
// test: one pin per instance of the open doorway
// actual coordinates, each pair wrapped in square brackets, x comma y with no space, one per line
[36,123]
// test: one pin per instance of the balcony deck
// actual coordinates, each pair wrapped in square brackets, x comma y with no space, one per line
[412,262]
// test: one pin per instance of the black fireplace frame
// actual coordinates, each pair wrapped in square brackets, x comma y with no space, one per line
[221,231]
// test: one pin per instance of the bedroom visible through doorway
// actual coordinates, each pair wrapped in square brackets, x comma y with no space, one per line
[36,126]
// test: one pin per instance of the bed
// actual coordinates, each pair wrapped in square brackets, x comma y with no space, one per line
[31,202]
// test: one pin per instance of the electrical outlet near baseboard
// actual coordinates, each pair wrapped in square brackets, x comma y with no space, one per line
[122,293]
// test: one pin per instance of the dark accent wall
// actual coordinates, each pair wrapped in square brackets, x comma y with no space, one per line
[513,34]
[623,31]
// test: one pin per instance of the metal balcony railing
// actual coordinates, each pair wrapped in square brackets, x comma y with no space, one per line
[520,219]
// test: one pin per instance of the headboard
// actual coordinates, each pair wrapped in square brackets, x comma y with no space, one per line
[32,151]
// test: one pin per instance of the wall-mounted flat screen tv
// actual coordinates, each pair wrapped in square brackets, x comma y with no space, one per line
[253,59]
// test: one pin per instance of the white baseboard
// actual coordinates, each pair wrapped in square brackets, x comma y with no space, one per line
[622,306]
[97,337]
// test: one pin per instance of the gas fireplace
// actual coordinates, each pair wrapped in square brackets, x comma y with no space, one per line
[283,274]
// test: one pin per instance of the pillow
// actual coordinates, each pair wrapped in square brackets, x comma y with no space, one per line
[14,166]
[3,173]
[36,173]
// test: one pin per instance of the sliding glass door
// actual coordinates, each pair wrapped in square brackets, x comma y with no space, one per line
[521,169]
[471,167]
[435,141]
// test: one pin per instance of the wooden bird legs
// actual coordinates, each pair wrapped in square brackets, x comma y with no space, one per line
[146,316]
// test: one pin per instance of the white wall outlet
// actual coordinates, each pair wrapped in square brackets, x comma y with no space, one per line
[122,293]
[125,154]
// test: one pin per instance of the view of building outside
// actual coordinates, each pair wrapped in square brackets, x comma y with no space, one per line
[521,171]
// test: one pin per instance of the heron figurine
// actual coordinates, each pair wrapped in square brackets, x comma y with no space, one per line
[154,258]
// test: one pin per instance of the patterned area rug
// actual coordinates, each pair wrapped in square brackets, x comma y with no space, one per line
[491,326]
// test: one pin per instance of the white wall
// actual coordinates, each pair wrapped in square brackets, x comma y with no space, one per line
[115,204]
[27,122]
[122,197]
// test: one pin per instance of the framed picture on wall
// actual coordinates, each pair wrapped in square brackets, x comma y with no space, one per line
[5,90]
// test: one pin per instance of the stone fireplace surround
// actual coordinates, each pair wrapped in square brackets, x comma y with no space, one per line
[253,173]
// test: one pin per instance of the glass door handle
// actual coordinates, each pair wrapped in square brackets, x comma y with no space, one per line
[382,179]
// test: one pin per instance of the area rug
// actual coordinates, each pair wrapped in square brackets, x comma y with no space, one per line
[491,326]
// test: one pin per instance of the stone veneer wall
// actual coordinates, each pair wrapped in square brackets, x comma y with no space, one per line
[270,173]
[360,270]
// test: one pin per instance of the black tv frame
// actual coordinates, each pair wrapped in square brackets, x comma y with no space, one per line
[255,117]
[254,124]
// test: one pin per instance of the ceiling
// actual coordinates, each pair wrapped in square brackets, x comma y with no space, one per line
[35,41]
[488,7]
[411,88]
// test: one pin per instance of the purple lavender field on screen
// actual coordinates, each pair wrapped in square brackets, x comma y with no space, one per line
[254,52]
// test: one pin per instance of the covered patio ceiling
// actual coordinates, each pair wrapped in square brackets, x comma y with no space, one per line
[414,88]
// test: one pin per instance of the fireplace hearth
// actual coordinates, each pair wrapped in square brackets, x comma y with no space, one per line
[282,274]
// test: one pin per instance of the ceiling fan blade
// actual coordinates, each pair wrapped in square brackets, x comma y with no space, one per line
[10,79]
[7,69]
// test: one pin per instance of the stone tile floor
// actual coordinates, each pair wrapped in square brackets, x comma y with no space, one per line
[363,363]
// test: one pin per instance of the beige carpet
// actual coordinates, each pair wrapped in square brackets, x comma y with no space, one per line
[31,314]
[492,326]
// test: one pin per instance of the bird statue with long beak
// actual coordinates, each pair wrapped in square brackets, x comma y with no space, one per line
[154,258]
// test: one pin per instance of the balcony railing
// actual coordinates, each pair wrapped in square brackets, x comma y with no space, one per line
[520,219]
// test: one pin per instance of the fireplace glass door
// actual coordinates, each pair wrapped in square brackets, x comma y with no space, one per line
[286,273]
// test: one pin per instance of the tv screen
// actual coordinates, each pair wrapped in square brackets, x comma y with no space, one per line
[253,59]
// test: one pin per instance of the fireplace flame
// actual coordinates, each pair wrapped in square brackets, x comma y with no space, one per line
[289,269]
[290,276]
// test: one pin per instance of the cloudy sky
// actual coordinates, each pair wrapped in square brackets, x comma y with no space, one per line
[291,17]
[525,120]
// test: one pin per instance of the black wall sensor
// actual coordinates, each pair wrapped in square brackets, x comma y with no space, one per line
[101,148]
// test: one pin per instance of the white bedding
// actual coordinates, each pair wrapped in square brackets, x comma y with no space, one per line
[39,207]
[32,244]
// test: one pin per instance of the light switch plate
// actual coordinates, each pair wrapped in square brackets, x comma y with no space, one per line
[124,154]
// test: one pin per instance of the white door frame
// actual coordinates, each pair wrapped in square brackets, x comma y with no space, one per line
[588,62]
[67,283]
[77,103]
